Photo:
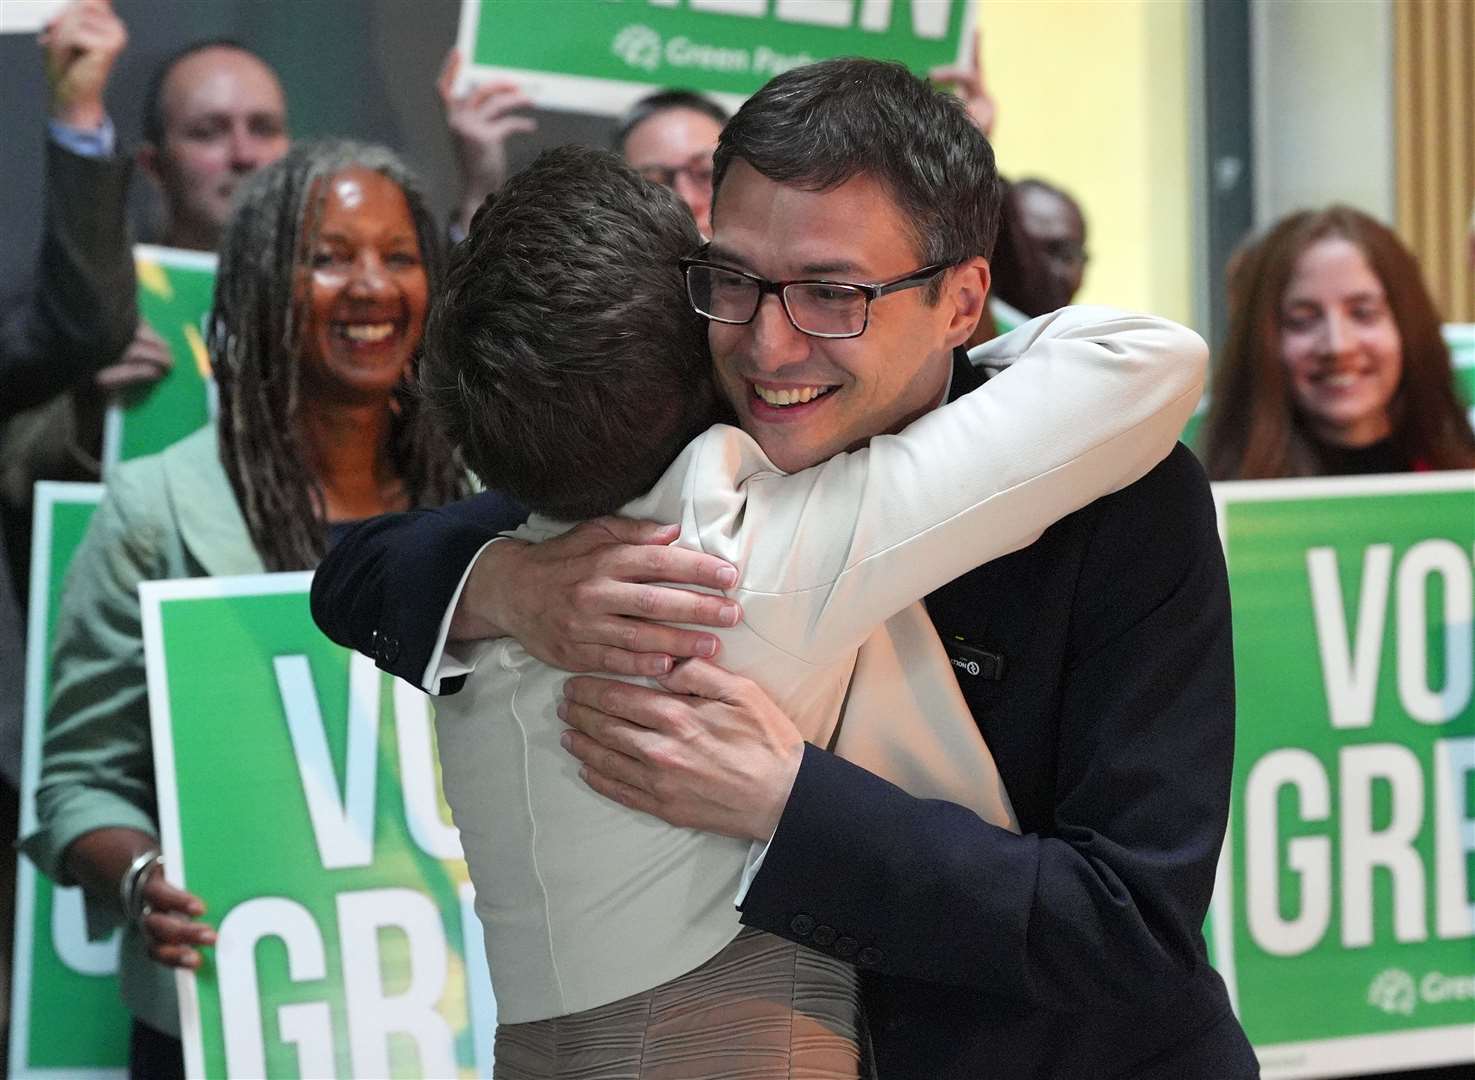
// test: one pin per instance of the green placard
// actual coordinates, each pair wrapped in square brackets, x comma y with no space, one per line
[175,291]
[600,56]
[1344,922]
[66,1017]
[299,797]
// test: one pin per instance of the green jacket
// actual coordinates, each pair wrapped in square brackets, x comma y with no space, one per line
[172,515]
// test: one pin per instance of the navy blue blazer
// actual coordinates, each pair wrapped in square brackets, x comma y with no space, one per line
[1104,686]
[1105,689]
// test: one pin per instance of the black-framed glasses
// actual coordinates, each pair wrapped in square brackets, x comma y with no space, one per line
[819,308]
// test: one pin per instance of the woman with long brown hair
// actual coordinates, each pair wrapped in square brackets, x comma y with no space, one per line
[1334,362]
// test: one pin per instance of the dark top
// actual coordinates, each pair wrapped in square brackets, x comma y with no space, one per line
[1378,457]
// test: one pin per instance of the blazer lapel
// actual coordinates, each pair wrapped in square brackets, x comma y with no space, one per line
[210,522]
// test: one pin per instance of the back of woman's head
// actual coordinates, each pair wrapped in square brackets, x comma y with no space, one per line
[1254,428]
[254,340]
[563,357]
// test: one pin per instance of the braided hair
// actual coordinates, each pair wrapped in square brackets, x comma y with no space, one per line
[253,340]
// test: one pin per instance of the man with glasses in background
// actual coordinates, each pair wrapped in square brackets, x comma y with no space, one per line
[1096,662]
[667,137]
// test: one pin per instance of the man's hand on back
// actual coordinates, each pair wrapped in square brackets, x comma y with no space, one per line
[715,753]
[584,601]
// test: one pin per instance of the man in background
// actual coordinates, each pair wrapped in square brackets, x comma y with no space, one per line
[667,137]
[213,114]
[1053,223]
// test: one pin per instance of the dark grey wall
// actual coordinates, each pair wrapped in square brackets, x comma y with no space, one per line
[1229,147]
[360,68]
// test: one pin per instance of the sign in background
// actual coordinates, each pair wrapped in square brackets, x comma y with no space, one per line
[299,797]
[1344,922]
[602,56]
[175,291]
[66,1020]
[28,16]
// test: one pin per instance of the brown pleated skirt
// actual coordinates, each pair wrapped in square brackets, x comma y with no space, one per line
[761,1009]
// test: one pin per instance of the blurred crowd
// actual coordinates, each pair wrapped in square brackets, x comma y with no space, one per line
[1333,364]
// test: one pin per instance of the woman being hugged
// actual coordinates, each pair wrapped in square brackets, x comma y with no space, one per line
[325,272]
[1334,364]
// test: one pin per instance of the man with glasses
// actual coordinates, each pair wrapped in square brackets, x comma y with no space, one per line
[668,138]
[1096,662]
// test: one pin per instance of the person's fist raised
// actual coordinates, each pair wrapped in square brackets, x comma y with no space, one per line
[81,45]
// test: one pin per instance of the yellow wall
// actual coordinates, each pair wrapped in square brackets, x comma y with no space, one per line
[1093,95]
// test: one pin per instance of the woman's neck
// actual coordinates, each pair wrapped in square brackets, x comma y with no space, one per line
[348,451]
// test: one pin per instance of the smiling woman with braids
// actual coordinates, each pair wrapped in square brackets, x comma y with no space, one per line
[319,309]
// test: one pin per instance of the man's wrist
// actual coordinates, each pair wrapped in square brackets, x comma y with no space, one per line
[767,827]
[97,141]
[480,609]
[88,115]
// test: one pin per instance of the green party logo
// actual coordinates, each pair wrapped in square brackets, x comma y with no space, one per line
[639,46]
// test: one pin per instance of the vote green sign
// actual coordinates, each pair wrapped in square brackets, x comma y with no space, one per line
[1344,923]
[66,1020]
[600,56]
[175,291]
[299,797]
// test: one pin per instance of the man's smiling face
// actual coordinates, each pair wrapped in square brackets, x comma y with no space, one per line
[805,399]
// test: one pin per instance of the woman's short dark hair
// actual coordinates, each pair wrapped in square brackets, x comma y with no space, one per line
[562,357]
[664,101]
[817,126]
[1253,429]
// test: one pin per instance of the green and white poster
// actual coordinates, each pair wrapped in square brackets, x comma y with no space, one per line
[601,56]
[1344,922]
[66,1019]
[299,797]
[175,292]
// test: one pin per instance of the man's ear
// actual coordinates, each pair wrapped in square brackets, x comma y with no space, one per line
[966,291]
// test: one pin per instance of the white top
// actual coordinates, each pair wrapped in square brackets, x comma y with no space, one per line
[584,901]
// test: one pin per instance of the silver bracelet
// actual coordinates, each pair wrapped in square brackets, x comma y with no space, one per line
[129,890]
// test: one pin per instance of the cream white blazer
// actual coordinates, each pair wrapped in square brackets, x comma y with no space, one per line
[583,901]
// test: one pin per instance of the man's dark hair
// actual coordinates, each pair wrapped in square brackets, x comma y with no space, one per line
[817,126]
[664,101]
[562,358]
[154,124]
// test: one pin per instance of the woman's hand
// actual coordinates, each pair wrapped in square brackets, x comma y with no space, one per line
[99,860]
[169,922]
